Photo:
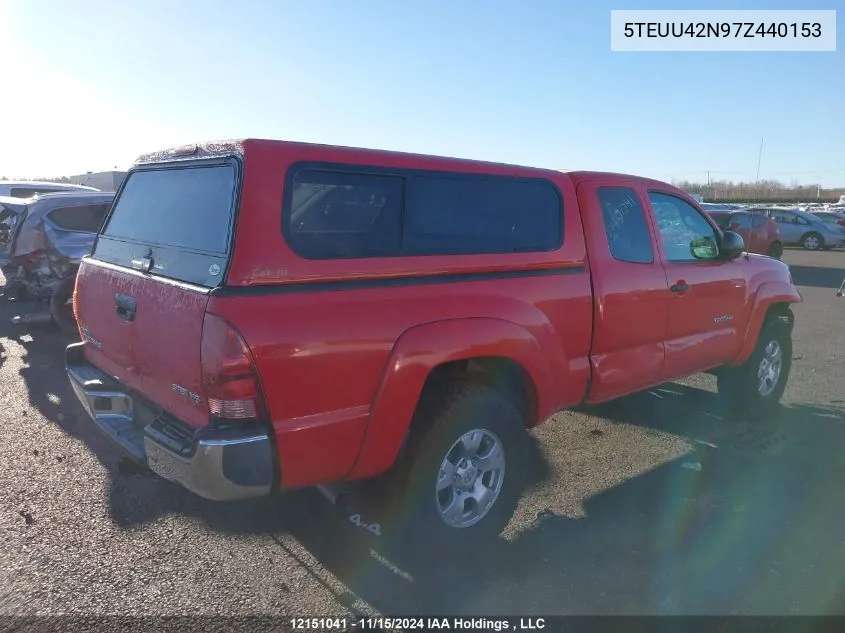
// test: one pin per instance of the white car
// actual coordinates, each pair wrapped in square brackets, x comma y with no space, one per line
[29,188]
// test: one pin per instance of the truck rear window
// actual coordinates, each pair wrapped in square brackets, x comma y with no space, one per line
[188,208]
[173,221]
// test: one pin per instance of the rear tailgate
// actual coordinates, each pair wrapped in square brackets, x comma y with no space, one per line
[141,296]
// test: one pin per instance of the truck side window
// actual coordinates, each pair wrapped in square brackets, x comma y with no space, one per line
[470,216]
[628,236]
[686,235]
[722,220]
[344,215]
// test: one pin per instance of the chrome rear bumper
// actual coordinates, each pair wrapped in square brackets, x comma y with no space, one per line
[221,464]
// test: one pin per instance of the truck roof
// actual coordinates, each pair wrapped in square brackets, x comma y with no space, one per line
[380,156]
[579,176]
[238,146]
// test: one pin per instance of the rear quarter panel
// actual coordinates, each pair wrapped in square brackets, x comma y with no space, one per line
[322,356]
[322,352]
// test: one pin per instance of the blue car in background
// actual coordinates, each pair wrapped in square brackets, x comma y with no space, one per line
[799,228]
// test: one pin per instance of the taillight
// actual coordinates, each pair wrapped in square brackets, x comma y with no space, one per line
[229,377]
[74,300]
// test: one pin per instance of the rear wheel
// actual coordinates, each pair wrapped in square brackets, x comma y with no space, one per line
[813,241]
[464,478]
[61,306]
[756,387]
[776,250]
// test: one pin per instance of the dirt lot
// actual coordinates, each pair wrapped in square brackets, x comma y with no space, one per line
[656,504]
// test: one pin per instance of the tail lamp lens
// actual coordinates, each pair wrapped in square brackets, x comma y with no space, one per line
[230,379]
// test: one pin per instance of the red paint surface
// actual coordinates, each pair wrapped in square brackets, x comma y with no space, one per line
[342,370]
[160,348]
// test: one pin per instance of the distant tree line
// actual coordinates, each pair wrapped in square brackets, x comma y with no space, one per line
[716,191]
[768,191]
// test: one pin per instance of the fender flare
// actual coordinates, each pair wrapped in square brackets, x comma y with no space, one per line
[767,295]
[416,353]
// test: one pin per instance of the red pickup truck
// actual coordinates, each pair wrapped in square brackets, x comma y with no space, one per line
[263,315]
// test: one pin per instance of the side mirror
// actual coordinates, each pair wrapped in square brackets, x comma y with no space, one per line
[732,245]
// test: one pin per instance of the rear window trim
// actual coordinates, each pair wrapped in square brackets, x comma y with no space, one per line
[233,160]
[406,174]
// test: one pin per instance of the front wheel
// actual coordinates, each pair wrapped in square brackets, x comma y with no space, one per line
[464,478]
[756,386]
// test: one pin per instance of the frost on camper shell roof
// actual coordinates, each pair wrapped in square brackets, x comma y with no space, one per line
[236,146]
[193,150]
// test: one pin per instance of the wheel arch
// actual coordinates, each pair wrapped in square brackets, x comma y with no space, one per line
[773,300]
[492,351]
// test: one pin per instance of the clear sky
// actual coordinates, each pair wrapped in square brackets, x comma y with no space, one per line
[90,84]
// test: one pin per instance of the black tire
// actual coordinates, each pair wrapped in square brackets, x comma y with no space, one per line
[444,416]
[776,250]
[61,308]
[739,385]
[812,241]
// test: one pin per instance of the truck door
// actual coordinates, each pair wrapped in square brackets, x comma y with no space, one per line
[631,293]
[708,305]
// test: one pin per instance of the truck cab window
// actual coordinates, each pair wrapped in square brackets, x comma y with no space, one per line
[628,236]
[686,235]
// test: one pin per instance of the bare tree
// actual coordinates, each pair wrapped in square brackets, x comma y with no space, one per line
[761,191]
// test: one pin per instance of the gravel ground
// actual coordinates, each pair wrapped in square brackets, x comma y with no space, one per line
[655,504]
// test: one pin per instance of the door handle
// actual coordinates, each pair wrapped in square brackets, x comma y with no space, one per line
[125,306]
[680,288]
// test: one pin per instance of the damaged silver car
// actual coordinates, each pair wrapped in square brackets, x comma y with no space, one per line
[42,240]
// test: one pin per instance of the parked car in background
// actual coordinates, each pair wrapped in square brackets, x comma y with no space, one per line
[713,206]
[29,188]
[42,241]
[432,310]
[812,208]
[835,217]
[800,228]
[760,233]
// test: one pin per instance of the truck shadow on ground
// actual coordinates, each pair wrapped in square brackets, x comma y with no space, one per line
[42,371]
[716,531]
[719,530]
[817,276]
